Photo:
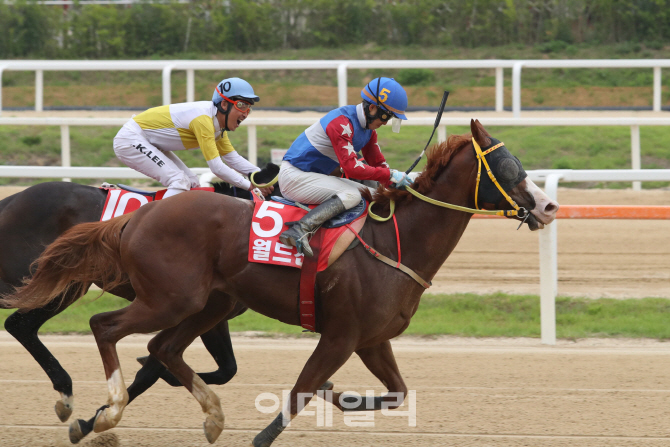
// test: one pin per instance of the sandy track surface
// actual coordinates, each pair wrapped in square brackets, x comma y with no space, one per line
[481,392]
[596,258]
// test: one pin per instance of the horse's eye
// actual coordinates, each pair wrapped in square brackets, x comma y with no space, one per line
[508,169]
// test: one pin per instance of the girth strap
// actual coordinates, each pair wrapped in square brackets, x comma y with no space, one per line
[395,264]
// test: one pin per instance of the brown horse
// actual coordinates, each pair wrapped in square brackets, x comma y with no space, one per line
[178,252]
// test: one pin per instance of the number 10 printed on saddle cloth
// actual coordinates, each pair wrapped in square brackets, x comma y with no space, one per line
[266,226]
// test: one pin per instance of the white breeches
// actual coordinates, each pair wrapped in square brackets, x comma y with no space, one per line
[133,149]
[312,188]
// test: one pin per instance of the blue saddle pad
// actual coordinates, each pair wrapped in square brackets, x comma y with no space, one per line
[341,219]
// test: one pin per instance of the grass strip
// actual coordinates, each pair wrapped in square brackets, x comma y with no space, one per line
[467,315]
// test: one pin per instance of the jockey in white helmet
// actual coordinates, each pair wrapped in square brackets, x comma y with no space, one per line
[148,141]
[335,141]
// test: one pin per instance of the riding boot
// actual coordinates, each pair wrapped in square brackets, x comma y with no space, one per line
[298,232]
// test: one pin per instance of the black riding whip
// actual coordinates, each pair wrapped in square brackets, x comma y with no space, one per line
[437,123]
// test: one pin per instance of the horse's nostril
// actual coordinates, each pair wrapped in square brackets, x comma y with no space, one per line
[551,208]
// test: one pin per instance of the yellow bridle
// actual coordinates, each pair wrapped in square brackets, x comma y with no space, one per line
[481,157]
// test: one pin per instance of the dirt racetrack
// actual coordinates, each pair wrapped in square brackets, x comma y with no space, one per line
[514,392]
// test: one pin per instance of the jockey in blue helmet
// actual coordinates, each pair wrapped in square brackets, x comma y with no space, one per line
[148,141]
[333,144]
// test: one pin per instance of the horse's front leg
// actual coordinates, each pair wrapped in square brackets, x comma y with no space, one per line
[330,354]
[381,362]
[24,327]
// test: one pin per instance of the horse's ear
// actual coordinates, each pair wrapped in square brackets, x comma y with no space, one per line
[480,135]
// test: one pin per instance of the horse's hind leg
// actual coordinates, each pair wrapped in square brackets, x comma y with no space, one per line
[24,327]
[381,362]
[330,354]
[216,340]
[168,347]
[110,327]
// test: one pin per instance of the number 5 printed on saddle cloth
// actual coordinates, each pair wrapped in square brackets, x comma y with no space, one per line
[266,226]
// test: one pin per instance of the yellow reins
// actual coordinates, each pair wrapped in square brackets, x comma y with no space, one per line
[272,182]
[481,156]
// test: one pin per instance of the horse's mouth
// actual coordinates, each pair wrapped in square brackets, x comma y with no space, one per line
[534,224]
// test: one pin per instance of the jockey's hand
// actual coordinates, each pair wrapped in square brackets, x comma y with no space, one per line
[413,175]
[400,179]
[266,191]
[195,181]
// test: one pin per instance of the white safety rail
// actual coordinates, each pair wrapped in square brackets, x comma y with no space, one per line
[252,123]
[655,64]
[549,236]
[166,67]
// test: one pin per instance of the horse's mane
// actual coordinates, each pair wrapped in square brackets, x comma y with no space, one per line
[439,156]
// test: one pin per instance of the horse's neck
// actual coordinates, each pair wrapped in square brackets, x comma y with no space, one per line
[433,231]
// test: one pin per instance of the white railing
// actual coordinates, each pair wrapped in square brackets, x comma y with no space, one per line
[341,66]
[549,236]
[252,123]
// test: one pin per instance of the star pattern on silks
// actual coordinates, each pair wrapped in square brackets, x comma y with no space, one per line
[349,148]
[346,129]
[359,164]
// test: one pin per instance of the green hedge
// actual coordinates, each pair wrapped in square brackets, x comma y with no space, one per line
[211,26]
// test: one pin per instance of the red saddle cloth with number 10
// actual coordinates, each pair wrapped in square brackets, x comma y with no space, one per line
[268,223]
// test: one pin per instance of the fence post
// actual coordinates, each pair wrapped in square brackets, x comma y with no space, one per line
[190,85]
[657,89]
[549,269]
[635,158]
[252,145]
[500,90]
[39,90]
[65,148]
[441,134]
[342,99]
[516,89]
[167,87]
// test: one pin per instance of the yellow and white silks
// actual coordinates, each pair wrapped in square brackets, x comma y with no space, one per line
[146,142]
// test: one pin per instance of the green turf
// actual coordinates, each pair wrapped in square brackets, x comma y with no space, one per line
[468,315]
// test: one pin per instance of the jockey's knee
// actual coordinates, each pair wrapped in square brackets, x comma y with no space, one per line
[349,198]
[177,185]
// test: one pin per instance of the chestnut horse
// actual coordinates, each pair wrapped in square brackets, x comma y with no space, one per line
[32,219]
[177,253]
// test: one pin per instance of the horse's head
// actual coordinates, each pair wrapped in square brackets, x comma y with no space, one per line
[512,181]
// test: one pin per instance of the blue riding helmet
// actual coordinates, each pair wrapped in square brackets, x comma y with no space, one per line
[388,94]
[234,88]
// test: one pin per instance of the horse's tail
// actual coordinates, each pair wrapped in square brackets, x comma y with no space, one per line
[85,253]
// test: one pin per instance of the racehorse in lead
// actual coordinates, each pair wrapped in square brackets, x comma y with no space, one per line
[31,220]
[362,304]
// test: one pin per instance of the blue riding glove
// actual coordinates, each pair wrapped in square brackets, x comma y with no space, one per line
[400,179]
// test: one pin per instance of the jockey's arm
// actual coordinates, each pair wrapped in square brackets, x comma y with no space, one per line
[372,152]
[203,129]
[339,131]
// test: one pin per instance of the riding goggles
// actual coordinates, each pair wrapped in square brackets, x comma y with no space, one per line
[384,115]
[239,104]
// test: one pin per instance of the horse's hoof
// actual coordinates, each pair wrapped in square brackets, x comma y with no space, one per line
[142,360]
[75,432]
[213,428]
[64,407]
